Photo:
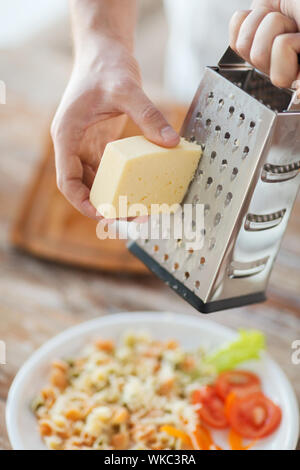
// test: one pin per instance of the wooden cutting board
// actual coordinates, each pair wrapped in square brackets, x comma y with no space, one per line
[47,226]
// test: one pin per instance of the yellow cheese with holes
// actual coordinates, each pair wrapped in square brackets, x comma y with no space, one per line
[137,177]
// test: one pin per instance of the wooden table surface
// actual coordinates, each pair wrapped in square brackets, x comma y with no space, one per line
[40,299]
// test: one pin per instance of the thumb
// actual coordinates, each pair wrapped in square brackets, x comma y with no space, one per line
[149,119]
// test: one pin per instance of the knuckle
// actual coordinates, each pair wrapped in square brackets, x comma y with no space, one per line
[262,10]
[238,16]
[274,17]
[128,84]
[235,19]
[281,41]
[278,81]
[243,46]
[120,87]
[258,58]
[281,80]
[150,114]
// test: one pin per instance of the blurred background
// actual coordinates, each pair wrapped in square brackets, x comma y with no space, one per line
[53,270]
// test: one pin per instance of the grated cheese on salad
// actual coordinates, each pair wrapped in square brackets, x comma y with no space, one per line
[132,395]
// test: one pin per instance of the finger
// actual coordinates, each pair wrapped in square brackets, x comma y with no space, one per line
[75,191]
[248,30]
[273,25]
[70,173]
[89,174]
[286,7]
[284,60]
[235,25]
[151,121]
[97,136]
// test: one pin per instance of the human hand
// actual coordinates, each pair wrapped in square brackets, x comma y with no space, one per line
[268,37]
[105,85]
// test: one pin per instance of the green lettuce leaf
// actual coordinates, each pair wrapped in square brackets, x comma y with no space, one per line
[247,346]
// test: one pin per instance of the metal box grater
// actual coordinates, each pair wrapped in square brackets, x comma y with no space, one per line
[247,179]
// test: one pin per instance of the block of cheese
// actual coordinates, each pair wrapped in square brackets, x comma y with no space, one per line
[134,171]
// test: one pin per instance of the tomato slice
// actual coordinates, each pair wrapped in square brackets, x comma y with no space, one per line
[239,382]
[254,416]
[212,409]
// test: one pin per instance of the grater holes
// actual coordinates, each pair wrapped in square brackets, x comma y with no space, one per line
[224,164]
[195,200]
[252,126]
[218,218]
[213,156]
[246,152]
[197,284]
[227,136]
[186,275]
[228,199]
[208,122]
[242,118]
[191,251]
[206,209]
[221,103]
[234,173]
[212,243]
[156,248]
[236,144]
[202,261]
[218,129]
[198,116]
[166,257]
[209,182]
[176,266]
[219,190]
[231,110]
[210,96]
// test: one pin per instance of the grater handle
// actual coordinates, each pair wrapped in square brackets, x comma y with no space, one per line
[232,60]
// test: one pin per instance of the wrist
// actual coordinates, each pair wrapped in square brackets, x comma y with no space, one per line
[98,43]
[100,52]
[103,20]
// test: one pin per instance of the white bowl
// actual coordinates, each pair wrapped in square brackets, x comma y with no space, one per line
[190,331]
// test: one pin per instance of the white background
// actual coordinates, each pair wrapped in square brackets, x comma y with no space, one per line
[20,19]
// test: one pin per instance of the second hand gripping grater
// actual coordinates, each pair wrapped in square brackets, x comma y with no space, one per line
[247,180]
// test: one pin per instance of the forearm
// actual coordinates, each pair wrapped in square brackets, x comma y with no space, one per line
[115,19]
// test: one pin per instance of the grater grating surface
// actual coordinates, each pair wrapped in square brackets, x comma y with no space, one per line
[247,181]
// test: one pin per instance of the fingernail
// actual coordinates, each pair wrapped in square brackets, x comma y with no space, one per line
[168,134]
